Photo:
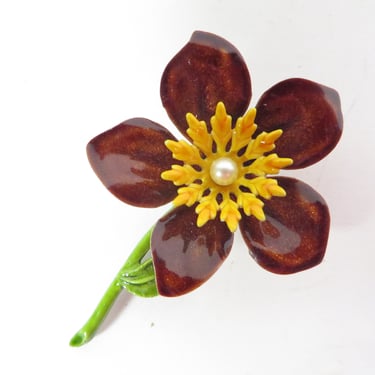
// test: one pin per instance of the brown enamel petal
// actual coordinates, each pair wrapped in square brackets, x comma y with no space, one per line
[129,159]
[207,70]
[309,115]
[184,255]
[294,235]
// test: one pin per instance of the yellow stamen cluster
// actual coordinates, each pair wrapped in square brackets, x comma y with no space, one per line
[208,179]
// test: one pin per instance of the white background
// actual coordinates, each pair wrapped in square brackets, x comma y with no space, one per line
[72,69]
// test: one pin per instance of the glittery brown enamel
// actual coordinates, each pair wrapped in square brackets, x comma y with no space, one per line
[294,235]
[184,255]
[309,115]
[129,159]
[207,70]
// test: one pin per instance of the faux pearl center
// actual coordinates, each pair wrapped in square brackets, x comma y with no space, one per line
[224,171]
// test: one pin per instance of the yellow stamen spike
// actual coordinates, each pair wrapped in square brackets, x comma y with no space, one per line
[249,117]
[264,142]
[183,151]
[272,137]
[273,164]
[197,131]
[188,195]
[257,167]
[267,187]
[254,184]
[270,164]
[230,214]
[258,212]
[221,124]
[281,162]
[251,205]
[206,210]
[277,191]
[243,130]
[181,174]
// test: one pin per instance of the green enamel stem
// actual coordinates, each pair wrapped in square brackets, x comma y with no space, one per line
[142,280]
[139,251]
[140,267]
[87,332]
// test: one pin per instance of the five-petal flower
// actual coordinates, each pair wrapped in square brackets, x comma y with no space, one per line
[284,222]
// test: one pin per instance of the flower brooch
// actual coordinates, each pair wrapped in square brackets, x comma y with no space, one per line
[222,177]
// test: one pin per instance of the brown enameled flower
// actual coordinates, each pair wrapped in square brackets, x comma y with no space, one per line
[284,222]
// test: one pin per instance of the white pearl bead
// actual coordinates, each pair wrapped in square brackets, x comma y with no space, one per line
[224,171]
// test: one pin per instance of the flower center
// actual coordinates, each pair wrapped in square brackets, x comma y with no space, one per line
[224,171]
